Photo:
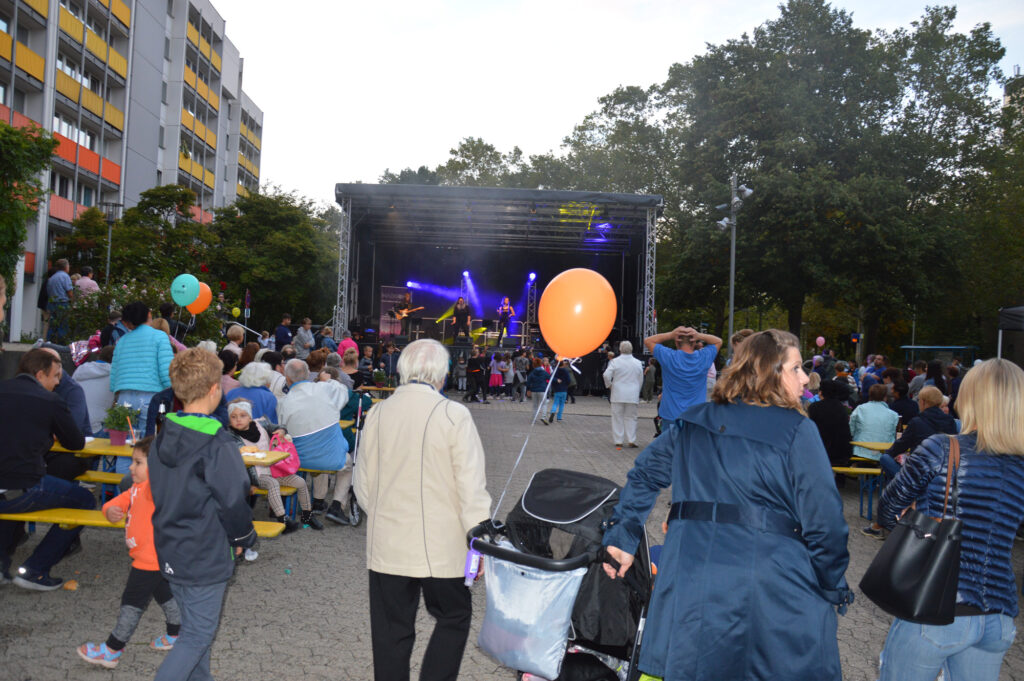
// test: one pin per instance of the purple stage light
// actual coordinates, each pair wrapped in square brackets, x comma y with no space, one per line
[465,273]
[411,284]
[533,275]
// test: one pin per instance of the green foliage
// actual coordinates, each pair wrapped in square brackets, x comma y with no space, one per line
[24,154]
[118,416]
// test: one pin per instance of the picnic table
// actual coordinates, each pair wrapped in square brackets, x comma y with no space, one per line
[101,446]
[873,446]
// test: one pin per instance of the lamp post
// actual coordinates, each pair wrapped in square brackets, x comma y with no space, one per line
[112,213]
[738,193]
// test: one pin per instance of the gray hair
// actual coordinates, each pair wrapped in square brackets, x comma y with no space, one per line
[207,345]
[255,374]
[625,348]
[296,370]
[333,360]
[424,360]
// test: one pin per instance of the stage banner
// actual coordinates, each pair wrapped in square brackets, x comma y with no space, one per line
[389,295]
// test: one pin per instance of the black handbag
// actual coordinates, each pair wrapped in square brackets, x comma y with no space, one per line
[915,574]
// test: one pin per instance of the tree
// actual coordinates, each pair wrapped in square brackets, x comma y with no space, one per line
[422,175]
[24,154]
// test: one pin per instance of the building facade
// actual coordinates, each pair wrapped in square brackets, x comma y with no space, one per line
[138,93]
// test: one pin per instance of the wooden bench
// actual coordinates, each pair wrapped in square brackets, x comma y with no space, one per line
[101,478]
[868,479]
[68,518]
[287,494]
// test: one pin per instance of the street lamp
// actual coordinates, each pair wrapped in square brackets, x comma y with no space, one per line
[739,193]
[112,213]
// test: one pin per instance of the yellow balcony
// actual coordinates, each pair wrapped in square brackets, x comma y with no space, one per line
[187,119]
[92,101]
[243,128]
[68,86]
[215,59]
[105,3]
[208,179]
[204,47]
[202,89]
[70,25]
[5,45]
[197,170]
[190,77]
[114,116]
[96,44]
[184,162]
[122,12]
[211,138]
[214,100]
[40,6]
[256,143]
[200,130]
[192,33]
[241,190]
[30,62]
[118,63]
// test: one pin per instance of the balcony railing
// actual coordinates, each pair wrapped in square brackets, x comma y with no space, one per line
[30,62]
[121,12]
[68,86]
[71,25]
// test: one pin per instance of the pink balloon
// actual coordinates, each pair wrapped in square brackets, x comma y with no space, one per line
[820,341]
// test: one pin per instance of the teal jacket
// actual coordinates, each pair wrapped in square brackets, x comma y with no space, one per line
[141,361]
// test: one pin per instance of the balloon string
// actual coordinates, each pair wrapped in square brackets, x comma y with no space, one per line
[547,389]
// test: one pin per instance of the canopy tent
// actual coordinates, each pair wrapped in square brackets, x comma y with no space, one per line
[515,224]
[1010,319]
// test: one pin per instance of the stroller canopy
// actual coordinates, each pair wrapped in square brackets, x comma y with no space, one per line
[561,497]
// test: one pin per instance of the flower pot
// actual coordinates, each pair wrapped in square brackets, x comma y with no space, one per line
[118,437]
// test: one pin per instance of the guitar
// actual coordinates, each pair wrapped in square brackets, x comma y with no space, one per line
[402,314]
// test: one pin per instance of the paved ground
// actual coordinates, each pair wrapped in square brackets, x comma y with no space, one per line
[300,611]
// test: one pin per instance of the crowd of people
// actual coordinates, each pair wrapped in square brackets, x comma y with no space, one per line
[747,448]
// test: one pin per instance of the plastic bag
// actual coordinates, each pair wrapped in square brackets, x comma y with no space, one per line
[528,616]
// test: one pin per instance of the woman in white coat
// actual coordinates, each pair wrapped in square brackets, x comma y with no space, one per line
[624,377]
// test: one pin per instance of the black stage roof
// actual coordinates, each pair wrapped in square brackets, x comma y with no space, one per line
[430,215]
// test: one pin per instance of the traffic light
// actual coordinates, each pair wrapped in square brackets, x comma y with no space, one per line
[854,338]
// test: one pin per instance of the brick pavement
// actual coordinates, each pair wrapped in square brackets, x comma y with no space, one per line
[300,611]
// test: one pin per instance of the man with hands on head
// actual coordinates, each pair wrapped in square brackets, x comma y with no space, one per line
[683,370]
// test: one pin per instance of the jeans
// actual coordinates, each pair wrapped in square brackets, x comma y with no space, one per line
[200,606]
[58,330]
[50,492]
[558,404]
[888,466]
[137,399]
[972,647]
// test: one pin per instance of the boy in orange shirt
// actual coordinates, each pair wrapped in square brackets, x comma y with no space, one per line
[145,581]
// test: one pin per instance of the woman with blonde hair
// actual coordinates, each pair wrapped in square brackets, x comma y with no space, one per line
[754,560]
[161,324]
[987,494]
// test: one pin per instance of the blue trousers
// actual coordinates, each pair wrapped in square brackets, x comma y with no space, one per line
[200,607]
[50,492]
[558,404]
[969,649]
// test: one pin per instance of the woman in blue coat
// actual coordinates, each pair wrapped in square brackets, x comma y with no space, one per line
[754,559]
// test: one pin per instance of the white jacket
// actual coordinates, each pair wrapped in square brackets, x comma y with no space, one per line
[94,377]
[625,377]
[310,407]
[420,476]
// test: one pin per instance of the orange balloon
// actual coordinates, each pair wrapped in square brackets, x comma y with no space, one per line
[577,312]
[203,301]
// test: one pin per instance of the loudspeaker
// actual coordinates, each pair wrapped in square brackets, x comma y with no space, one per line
[400,340]
[508,342]
[462,342]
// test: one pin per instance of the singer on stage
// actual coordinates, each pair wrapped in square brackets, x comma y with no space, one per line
[403,311]
[505,315]
[461,318]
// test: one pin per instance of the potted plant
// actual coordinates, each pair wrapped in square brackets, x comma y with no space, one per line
[117,420]
[379,377]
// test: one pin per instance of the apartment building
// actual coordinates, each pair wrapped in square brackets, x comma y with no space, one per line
[138,93]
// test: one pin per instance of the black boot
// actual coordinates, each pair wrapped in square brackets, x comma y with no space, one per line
[289,524]
[319,506]
[309,519]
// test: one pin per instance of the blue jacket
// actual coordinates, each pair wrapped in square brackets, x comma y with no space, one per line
[537,380]
[263,401]
[141,361]
[732,601]
[990,501]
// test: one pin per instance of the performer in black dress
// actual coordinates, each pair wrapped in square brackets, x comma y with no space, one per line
[461,318]
[505,315]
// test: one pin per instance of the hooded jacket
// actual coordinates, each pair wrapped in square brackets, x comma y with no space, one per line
[200,493]
[929,422]
[94,377]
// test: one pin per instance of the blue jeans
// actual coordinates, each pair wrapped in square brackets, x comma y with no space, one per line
[51,492]
[888,466]
[200,606]
[558,404]
[972,647]
[137,399]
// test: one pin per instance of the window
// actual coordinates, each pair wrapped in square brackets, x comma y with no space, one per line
[97,27]
[167,48]
[160,137]
[60,185]
[5,24]
[3,95]
[163,92]
[87,139]
[22,35]
[159,178]
[72,7]
[170,13]
[86,195]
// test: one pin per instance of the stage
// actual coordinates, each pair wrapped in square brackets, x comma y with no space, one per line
[481,243]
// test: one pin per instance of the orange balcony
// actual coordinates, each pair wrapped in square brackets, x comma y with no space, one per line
[66,149]
[64,209]
[88,160]
[22,121]
[111,171]
[200,215]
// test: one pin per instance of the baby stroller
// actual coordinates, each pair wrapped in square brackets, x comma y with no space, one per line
[555,532]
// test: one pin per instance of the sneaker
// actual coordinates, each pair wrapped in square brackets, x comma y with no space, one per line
[163,642]
[618,448]
[870,531]
[546,420]
[99,654]
[30,579]
[337,515]
[633,445]
[319,506]
[310,520]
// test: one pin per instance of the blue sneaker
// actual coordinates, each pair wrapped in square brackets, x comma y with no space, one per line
[163,642]
[99,654]
[36,581]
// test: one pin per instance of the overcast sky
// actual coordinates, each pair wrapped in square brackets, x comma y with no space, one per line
[351,88]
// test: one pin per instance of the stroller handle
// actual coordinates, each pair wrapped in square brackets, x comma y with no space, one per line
[475,538]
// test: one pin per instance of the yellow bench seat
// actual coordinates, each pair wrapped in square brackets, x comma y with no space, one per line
[101,478]
[850,470]
[69,518]
[286,491]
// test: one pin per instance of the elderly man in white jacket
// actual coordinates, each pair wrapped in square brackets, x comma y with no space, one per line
[421,481]
[624,376]
[310,413]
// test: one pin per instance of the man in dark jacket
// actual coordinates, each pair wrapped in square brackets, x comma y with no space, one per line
[832,418]
[930,421]
[32,415]
[201,510]
[902,404]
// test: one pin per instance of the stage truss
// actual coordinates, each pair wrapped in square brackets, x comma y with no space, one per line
[483,217]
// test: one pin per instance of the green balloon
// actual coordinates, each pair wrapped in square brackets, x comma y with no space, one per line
[184,289]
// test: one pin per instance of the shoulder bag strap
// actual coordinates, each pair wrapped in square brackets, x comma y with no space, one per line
[952,464]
